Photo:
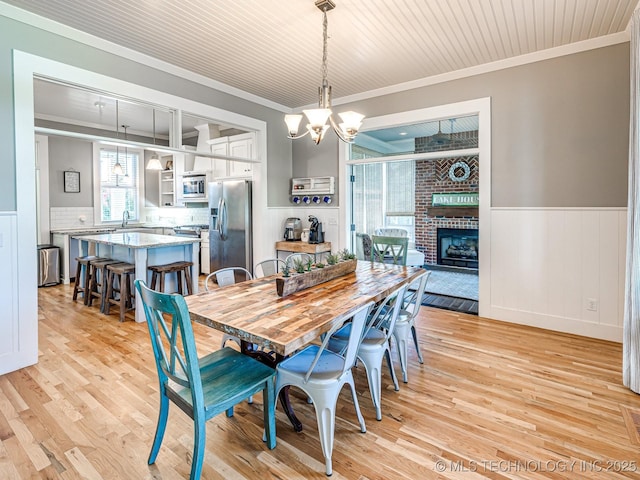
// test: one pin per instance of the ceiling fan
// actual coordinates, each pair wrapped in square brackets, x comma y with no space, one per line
[440,138]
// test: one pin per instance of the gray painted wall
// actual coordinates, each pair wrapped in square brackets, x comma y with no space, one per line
[70,154]
[16,35]
[560,129]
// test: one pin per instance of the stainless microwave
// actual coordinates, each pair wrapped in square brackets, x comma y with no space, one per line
[194,186]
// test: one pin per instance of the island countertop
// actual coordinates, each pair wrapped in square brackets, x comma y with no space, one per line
[138,240]
[144,249]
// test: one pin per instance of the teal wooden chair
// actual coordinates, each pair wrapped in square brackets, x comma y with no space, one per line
[200,387]
[389,249]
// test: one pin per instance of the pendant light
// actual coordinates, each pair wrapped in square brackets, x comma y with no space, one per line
[117,168]
[154,161]
[317,117]
[126,152]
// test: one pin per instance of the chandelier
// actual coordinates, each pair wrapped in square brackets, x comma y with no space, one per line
[317,117]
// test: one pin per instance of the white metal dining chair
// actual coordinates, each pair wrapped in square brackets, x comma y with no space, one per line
[268,267]
[321,374]
[405,323]
[374,346]
[223,277]
[227,276]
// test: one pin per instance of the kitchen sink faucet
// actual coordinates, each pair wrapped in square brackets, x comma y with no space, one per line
[125,218]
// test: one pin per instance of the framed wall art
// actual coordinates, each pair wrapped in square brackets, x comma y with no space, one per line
[71,181]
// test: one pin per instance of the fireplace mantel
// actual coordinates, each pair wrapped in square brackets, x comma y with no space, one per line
[452,211]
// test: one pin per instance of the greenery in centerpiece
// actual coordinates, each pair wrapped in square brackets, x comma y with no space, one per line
[332,258]
[286,271]
[298,265]
[345,254]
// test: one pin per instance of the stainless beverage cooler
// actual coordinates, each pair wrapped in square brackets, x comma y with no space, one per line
[48,265]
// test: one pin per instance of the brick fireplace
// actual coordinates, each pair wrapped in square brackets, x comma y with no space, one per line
[432,176]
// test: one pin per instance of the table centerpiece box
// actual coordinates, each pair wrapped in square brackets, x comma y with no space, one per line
[299,281]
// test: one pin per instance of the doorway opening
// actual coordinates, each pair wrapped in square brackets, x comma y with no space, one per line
[423,177]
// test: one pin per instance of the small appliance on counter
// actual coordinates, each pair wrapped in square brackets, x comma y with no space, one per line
[292,229]
[316,235]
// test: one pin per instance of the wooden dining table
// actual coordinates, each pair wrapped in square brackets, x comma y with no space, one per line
[278,326]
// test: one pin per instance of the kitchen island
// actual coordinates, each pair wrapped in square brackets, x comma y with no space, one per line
[144,249]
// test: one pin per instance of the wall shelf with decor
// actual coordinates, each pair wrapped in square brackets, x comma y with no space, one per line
[317,185]
[305,191]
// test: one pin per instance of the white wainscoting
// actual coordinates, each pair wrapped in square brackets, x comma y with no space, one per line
[549,265]
[18,337]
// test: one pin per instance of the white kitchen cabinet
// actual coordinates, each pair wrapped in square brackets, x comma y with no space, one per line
[219,146]
[240,146]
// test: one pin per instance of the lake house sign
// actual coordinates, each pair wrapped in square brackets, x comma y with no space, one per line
[461,199]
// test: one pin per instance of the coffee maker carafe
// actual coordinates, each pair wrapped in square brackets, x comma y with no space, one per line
[316,235]
[292,229]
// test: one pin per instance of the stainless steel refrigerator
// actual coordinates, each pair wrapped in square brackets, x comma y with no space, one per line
[230,235]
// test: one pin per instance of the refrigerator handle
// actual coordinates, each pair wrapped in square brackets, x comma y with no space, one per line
[223,217]
[218,224]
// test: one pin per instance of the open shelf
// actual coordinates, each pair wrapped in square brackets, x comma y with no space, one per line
[319,185]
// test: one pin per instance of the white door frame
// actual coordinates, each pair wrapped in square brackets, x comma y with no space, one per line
[25,67]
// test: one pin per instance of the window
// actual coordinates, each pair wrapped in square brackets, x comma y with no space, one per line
[116,193]
[384,196]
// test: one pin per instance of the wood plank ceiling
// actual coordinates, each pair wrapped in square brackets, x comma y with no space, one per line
[274,49]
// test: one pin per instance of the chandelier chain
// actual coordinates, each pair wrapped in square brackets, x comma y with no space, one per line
[324,47]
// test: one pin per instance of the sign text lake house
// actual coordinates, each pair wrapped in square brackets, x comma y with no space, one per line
[461,199]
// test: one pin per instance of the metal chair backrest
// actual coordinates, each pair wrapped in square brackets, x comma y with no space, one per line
[303,257]
[228,276]
[268,267]
[386,313]
[414,295]
[389,249]
[350,351]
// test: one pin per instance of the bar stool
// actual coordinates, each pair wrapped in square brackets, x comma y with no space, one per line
[98,282]
[83,277]
[178,268]
[124,272]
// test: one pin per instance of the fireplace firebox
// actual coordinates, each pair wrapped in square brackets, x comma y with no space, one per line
[458,247]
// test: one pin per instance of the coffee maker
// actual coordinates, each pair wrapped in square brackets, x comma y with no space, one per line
[292,229]
[316,235]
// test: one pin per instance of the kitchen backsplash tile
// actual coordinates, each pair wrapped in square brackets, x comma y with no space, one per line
[70,217]
[176,216]
[62,218]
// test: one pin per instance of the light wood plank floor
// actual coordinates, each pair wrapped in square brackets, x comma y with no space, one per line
[492,400]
